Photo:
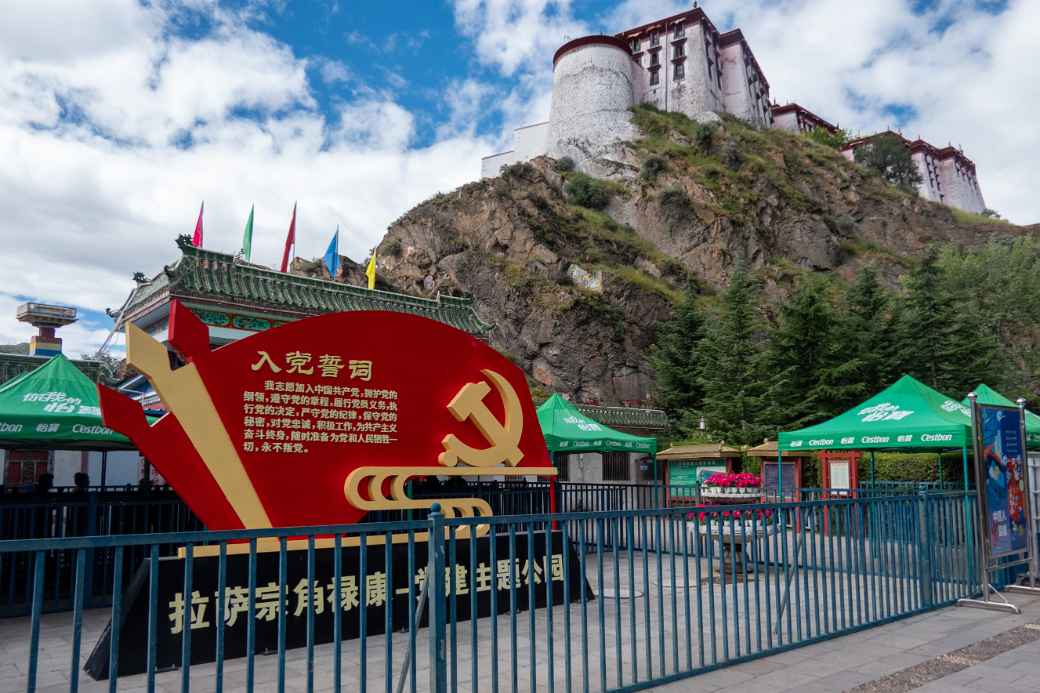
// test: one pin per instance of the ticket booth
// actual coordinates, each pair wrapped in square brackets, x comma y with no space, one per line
[686,467]
[790,474]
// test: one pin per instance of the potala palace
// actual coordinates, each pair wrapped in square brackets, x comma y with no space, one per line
[683,63]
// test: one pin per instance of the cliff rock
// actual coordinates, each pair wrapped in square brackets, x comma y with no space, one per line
[576,292]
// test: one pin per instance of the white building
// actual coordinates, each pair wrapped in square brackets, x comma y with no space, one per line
[947,175]
[794,118]
[683,64]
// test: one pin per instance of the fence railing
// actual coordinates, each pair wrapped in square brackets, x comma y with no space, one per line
[581,600]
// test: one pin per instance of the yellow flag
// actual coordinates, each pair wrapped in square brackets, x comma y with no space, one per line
[371,271]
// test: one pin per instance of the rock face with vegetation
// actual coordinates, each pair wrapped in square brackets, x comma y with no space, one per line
[578,272]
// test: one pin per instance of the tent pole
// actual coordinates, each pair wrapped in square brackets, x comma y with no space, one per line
[779,471]
[104,468]
[964,466]
[873,470]
[657,480]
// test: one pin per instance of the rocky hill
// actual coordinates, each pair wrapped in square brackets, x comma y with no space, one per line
[576,271]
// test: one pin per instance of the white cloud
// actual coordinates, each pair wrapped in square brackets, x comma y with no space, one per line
[517,34]
[333,71]
[91,198]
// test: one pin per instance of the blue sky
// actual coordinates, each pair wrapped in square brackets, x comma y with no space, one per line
[119,116]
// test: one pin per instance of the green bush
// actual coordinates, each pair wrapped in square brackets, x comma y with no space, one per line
[563,164]
[653,167]
[587,191]
[393,247]
[676,204]
[702,136]
[834,140]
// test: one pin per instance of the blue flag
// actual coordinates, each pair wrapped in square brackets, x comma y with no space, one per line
[332,255]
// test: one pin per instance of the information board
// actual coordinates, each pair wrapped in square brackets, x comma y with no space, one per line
[1002,454]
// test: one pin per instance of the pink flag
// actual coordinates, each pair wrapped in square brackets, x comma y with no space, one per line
[290,241]
[196,240]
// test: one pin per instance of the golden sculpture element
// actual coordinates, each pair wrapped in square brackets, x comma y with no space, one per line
[504,449]
[504,437]
[185,394]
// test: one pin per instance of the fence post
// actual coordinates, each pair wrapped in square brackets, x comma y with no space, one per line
[437,602]
[91,530]
[925,547]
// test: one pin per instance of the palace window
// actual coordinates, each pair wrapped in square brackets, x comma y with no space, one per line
[616,466]
[655,58]
[679,50]
[678,31]
[655,38]
[655,77]
[634,45]
[679,72]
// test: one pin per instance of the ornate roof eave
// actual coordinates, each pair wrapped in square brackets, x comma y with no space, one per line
[220,278]
[629,417]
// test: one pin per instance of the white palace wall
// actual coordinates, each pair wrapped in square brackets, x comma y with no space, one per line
[594,88]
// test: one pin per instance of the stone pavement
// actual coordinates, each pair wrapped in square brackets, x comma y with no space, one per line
[951,650]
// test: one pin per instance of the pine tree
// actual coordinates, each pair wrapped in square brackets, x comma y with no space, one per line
[731,366]
[865,333]
[944,341]
[802,358]
[674,360]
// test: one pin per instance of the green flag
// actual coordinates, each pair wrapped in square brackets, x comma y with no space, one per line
[247,237]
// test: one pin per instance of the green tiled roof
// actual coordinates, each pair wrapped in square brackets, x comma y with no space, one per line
[628,417]
[213,276]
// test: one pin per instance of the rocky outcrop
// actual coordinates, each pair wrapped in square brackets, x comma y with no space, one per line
[576,293]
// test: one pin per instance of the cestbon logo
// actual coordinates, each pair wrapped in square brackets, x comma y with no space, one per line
[10,428]
[885,411]
[875,439]
[92,430]
[936,437]
[819,442]
[951,406]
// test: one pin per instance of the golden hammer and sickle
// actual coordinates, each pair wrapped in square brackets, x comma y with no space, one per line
[504,436]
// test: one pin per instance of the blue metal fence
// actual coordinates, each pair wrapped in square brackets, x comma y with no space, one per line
[607,600]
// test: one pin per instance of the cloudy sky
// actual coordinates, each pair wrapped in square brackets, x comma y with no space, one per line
[118,117]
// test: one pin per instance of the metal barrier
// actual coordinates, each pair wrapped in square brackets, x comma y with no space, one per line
[80,515]
[637,598]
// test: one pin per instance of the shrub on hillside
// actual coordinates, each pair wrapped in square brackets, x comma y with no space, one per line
[563,164]
[588,191]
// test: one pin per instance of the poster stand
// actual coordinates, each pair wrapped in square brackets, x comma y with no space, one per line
[990,555]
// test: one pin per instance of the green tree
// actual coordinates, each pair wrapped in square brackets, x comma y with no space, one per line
[865,335]
[835,140]
[809,372]
[731,366]
[674,359]
[944,340]
[889,157]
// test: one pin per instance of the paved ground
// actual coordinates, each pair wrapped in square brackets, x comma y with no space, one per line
[953,650]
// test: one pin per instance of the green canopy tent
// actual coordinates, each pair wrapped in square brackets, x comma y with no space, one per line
[984,394]
[566,429]
[55,406]
[908,415]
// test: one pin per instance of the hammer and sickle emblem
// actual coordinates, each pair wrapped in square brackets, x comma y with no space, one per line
[504,436]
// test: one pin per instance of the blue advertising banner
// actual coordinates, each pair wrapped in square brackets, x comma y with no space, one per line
[1003,459]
